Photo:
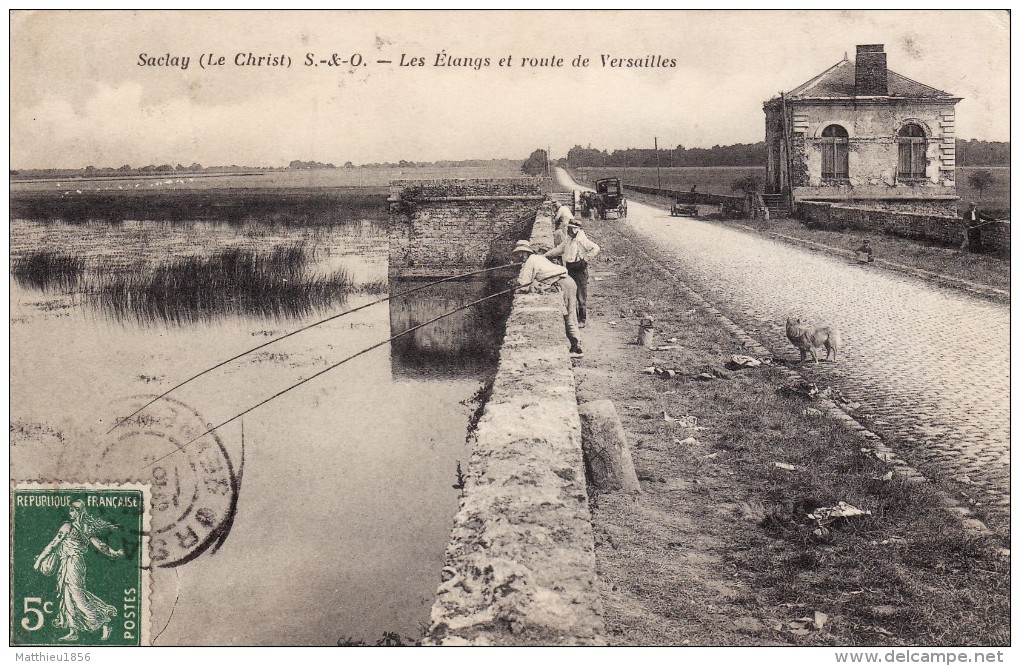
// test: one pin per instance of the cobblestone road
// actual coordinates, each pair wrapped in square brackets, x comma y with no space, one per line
[929,365]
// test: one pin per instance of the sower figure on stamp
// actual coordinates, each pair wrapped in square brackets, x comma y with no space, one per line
[577,250]
[973,220]
[538,274]
[77,608]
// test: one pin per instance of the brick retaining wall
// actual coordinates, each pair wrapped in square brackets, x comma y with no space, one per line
[440,228]
[995,237]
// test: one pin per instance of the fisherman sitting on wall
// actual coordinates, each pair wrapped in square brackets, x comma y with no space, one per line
[537,274]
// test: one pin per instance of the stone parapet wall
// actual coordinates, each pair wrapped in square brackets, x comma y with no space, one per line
[440,228]
[912,198]
[995,237]
[944,229]
[937,207]
[520,566]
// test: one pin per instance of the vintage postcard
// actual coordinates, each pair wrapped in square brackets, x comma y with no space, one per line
[510,328]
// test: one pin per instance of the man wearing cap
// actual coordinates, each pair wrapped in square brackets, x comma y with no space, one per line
[539,273]
[562,216]
[577,250]
[972,222]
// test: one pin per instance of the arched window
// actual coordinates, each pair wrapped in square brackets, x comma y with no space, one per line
[835,153]
[912,162]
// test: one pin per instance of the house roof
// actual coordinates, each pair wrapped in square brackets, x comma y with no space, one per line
[838,82]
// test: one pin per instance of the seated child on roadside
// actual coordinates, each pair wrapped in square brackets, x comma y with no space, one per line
[865,253]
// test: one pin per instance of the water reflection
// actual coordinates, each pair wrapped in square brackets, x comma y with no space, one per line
[348,497]
[465,343]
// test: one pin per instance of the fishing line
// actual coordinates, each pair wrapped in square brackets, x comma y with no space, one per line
[337,364]
[295,332]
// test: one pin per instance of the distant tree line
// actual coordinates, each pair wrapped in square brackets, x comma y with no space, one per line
[738,154]
[443,163]
[152,169]
[298,164]
[128,170]
[982,153]
[968,153]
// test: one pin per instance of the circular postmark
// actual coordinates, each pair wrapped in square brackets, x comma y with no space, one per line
[193,482]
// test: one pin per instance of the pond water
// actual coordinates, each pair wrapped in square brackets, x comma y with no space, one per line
[343,492]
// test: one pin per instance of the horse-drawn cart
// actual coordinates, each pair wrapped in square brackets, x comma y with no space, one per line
[606,201]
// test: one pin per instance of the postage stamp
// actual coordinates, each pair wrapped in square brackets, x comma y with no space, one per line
[80,564]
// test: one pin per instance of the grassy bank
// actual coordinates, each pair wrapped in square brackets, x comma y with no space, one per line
[720,548]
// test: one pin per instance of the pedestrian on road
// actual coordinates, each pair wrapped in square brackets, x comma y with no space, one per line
[538,274]
[973,220]
[577,250]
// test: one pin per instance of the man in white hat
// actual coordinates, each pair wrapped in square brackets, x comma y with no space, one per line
[539,273]
[577,250]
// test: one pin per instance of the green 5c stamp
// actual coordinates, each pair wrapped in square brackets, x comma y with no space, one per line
[80,564]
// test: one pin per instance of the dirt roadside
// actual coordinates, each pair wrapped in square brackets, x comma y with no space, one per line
[718,548]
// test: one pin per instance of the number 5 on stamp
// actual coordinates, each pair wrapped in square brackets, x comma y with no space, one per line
[80,564]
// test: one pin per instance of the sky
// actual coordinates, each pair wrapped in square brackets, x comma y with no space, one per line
[79,95]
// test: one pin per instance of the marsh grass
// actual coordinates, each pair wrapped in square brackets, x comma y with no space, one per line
[277,283]
[297,207]
[48,271]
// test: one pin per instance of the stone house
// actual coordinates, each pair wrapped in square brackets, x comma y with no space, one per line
[863,135]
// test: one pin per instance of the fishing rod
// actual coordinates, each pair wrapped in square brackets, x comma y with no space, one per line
[295,332]
[337,364]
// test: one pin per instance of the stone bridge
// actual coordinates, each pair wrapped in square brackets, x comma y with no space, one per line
[441,228]
[520,564]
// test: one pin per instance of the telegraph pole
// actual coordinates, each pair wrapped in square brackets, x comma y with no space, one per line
[658,175]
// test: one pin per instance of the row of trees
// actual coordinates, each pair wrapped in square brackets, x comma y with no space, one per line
[537,163]
[968,153]
[738,154]
[128,170]
[982,153]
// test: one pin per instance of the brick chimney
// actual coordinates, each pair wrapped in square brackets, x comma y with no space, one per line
[870,76]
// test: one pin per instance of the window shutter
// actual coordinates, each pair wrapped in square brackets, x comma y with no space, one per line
[828,159]
[842,158]
[917,164]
